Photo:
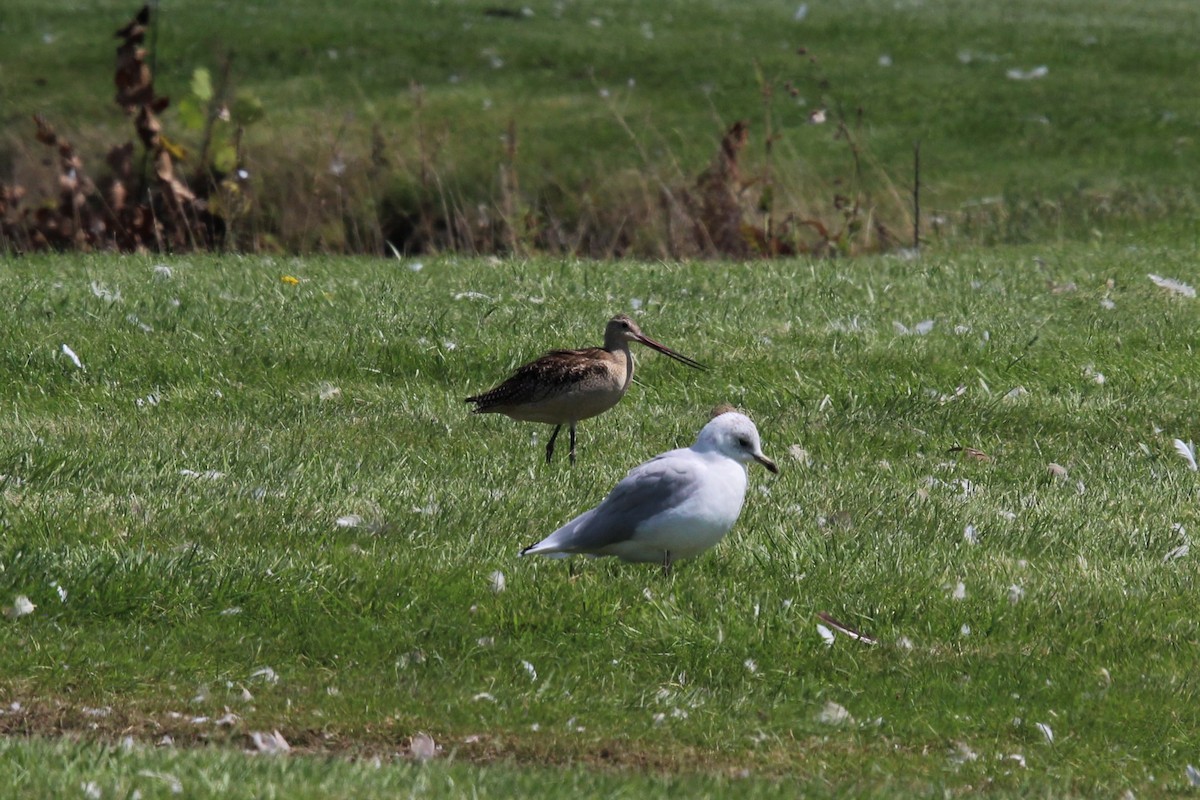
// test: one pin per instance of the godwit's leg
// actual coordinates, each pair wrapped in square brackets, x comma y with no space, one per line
[550,444]
[572,444]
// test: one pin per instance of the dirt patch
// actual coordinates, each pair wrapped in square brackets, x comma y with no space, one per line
[108,725]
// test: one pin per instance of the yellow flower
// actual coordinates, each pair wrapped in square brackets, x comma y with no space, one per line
[290,280]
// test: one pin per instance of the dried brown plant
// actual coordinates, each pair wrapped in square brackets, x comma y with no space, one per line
[123,211]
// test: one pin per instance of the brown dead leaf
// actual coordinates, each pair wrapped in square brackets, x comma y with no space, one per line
[971,452]
[719,217]
[722,408]
[135,29]
[120,161]
[44,134]
[1057,471]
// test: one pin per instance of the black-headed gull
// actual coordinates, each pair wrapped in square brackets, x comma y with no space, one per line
[674,506]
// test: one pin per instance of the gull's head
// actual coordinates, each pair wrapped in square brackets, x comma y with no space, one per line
[733,435]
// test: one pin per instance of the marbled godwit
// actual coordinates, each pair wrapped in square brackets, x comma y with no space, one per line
[676,505]
[565,386]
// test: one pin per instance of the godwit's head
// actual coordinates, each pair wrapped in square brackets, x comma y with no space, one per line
[733,435]
[622,329]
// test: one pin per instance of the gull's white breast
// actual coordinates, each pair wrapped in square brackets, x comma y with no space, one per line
[697,523]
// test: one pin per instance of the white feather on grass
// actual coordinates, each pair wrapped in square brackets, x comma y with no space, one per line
[1173,286]
[834,714]
[266,674]
[173,783]
[1181,550]
[106,294]
[497,582]
[422,747]
[1033,74]
[922,328]
[69,353]
[1177,552]
[842,628]
[1188,451]
[21,606]
[271,743]
[208,474]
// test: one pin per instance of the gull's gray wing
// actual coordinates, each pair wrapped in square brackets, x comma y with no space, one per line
[650,488]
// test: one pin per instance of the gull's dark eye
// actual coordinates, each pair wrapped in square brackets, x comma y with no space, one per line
[744,442]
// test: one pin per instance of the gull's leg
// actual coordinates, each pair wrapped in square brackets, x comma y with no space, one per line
[666,564]
[572,443]
[550,444]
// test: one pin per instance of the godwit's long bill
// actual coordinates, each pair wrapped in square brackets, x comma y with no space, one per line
[676,505]
[566,386]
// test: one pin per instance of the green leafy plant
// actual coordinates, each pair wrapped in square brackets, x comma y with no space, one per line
[216,117]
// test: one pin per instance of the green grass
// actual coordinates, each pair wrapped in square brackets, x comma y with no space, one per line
[180,588]
[40,769]
[1110,132]
[291,406]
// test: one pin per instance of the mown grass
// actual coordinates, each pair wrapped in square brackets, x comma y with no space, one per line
[1108,134]
[64,769]
[342,394]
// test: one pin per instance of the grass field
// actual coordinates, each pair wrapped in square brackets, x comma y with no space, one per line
[611,101]
[241,495]
[172,508]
